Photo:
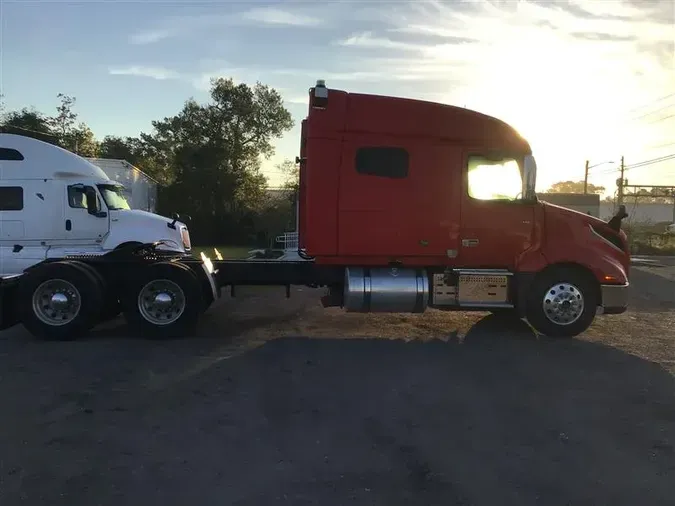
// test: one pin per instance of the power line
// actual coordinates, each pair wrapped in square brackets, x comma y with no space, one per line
[659,146]
[607,171]
[644,163]
[654,112]
[660,99]
[658,120]
[637,165]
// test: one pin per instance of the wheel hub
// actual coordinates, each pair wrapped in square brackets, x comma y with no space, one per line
[59,301]
[563,304]
[161,302]
[56,302]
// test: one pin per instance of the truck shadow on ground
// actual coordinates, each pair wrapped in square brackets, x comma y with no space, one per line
[498,417]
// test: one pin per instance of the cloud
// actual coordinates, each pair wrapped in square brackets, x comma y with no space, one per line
[198,23]
[274,16]
[149,37]
[202,81]
[367,40]
[159,73]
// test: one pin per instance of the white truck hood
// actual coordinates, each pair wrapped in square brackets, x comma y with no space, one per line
[134,225]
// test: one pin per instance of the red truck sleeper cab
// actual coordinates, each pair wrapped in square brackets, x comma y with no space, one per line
[427,204]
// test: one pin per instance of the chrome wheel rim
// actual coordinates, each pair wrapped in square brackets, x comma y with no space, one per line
[563,304]
[161,302]
[56,302]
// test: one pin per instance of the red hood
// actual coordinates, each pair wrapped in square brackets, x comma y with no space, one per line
[571,234]
[571,214]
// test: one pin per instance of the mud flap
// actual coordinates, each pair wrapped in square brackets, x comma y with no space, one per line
[523,282]
[8,310]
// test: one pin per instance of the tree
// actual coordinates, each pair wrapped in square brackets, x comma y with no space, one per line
[211,154]
[120,148]
[29,123]
[653,196]
[73,136]
[574,187]
[64,121]
[291,174]
[81,140]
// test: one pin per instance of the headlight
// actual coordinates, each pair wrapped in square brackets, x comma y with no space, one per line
[185,236]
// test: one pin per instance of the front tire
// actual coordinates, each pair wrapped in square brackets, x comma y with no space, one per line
[562,302]
[59,301]
[165,302]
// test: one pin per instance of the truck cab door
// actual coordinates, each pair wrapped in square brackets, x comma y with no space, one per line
[85,218]
[496,226]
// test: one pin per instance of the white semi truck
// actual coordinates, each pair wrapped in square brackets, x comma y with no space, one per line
[55,204]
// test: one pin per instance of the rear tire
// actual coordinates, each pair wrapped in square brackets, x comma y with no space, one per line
[110,307]
[562,302]
[165,302]
[59,301]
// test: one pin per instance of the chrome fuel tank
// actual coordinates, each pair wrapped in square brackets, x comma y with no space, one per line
[385,290]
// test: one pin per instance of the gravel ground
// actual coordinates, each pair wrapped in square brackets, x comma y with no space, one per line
[309,406]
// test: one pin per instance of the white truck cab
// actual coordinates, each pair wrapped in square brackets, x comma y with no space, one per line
[54,203]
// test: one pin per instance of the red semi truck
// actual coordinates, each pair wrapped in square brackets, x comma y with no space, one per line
[403,205]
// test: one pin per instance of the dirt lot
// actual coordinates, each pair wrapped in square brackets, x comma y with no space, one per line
[458,408]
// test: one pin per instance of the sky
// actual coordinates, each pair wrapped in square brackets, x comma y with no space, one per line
[580,79]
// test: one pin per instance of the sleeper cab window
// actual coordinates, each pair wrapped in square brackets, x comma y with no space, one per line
[383,162]
[11,198]
[493,178]
[10,155]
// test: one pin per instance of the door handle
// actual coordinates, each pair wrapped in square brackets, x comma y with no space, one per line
[470,243]
[69,225]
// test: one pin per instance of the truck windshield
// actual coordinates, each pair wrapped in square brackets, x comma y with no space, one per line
[491,179]
[114,196]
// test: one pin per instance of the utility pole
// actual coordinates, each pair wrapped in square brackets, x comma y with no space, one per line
[621,184]
[587,167]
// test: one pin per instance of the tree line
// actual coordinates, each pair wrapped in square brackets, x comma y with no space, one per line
[207,158]
[653,196]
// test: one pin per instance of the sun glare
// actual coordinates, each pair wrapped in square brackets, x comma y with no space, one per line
[494,180]
[562,94]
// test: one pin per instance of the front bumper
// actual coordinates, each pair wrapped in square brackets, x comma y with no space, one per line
[614,299]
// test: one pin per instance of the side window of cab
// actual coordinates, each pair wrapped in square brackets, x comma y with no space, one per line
[77,197]
[494,178]
[387,162]
[11,198]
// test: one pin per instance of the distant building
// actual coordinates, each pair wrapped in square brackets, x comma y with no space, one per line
[587,204]
[641,212]
[141,189]
[638,212]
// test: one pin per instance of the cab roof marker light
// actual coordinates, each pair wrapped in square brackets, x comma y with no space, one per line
[320,97]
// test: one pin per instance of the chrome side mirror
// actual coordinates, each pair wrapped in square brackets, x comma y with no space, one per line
[530,179]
